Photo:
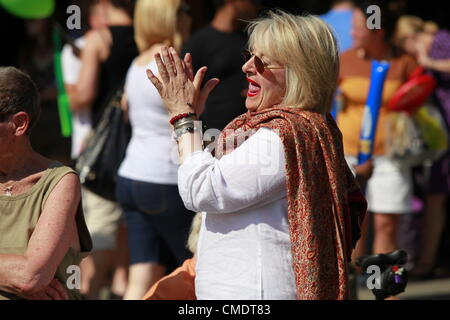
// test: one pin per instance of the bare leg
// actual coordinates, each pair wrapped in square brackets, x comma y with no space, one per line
[94,270]
[120,277]
[87,272]
[433,225]
[142,277]
[385,232]
[360,249]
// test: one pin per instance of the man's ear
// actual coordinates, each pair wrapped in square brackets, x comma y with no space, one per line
[21,121]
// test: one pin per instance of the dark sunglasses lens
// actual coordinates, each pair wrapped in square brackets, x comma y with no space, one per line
[259,65]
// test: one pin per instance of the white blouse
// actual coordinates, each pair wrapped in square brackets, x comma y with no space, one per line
[244,249]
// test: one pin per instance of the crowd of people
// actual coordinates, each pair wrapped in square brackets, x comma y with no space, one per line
[236,182]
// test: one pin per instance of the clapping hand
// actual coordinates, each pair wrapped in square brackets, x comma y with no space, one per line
[178,87]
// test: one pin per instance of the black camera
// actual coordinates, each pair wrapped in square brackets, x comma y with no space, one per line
[389,275]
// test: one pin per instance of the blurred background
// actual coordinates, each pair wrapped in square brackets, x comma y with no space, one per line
[29,45]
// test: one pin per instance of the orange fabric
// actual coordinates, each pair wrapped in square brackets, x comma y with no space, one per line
[179,285]
[354,84]
[350,119]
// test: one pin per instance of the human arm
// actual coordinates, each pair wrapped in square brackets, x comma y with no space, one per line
[251,175]
[125,106]
[71,67]
[423,58]
[85,90]
[29,274]
[439,65]
[365,170]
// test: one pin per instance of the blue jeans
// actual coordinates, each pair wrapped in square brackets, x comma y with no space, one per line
[158,223]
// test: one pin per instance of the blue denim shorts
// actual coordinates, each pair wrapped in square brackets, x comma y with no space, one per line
[158,223]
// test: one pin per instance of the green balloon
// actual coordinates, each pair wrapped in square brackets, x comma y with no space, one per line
[29,9]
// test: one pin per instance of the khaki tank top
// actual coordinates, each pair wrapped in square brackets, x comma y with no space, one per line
[18,218]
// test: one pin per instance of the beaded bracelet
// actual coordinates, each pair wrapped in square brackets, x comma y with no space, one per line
[181,116]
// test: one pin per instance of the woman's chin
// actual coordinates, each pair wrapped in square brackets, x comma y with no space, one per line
[252,104]
[251,108]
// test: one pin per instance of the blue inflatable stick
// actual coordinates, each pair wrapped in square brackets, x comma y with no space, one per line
[372,109]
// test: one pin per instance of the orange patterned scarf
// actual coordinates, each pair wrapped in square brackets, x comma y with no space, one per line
[325,204]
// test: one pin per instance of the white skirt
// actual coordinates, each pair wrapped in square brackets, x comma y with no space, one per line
[390,189]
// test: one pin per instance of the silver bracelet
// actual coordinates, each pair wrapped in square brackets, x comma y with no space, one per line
[181,131]
[182,121]
[188,127]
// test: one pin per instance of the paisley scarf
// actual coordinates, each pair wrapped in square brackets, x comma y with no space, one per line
[325,204]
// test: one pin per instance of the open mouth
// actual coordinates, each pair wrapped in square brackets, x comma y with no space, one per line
[253,88]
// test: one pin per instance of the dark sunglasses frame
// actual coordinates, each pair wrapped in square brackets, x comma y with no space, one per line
[259,64]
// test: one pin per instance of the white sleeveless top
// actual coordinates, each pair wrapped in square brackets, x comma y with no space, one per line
[152,154]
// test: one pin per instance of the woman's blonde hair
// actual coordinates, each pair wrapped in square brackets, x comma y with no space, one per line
[307,48]
[408,25]
[156,21]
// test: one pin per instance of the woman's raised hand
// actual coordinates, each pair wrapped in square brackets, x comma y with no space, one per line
[179,88]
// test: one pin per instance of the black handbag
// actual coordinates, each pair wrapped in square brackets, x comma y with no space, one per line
[99,162]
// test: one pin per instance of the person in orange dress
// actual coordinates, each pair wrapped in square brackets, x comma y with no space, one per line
[389,189]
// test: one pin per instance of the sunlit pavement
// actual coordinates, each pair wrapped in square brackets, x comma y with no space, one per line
[438,289]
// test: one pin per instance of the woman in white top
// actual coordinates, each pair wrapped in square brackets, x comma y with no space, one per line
[158,223]
[283,210]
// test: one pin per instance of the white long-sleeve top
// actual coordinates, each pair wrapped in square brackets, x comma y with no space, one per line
[244,249]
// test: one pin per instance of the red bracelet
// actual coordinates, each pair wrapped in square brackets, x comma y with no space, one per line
[181,116]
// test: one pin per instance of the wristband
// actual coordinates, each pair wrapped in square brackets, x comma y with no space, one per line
[190,126]
[181,116]
[185,129]
[183,122]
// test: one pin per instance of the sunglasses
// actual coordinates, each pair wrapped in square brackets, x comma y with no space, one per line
[259,64]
